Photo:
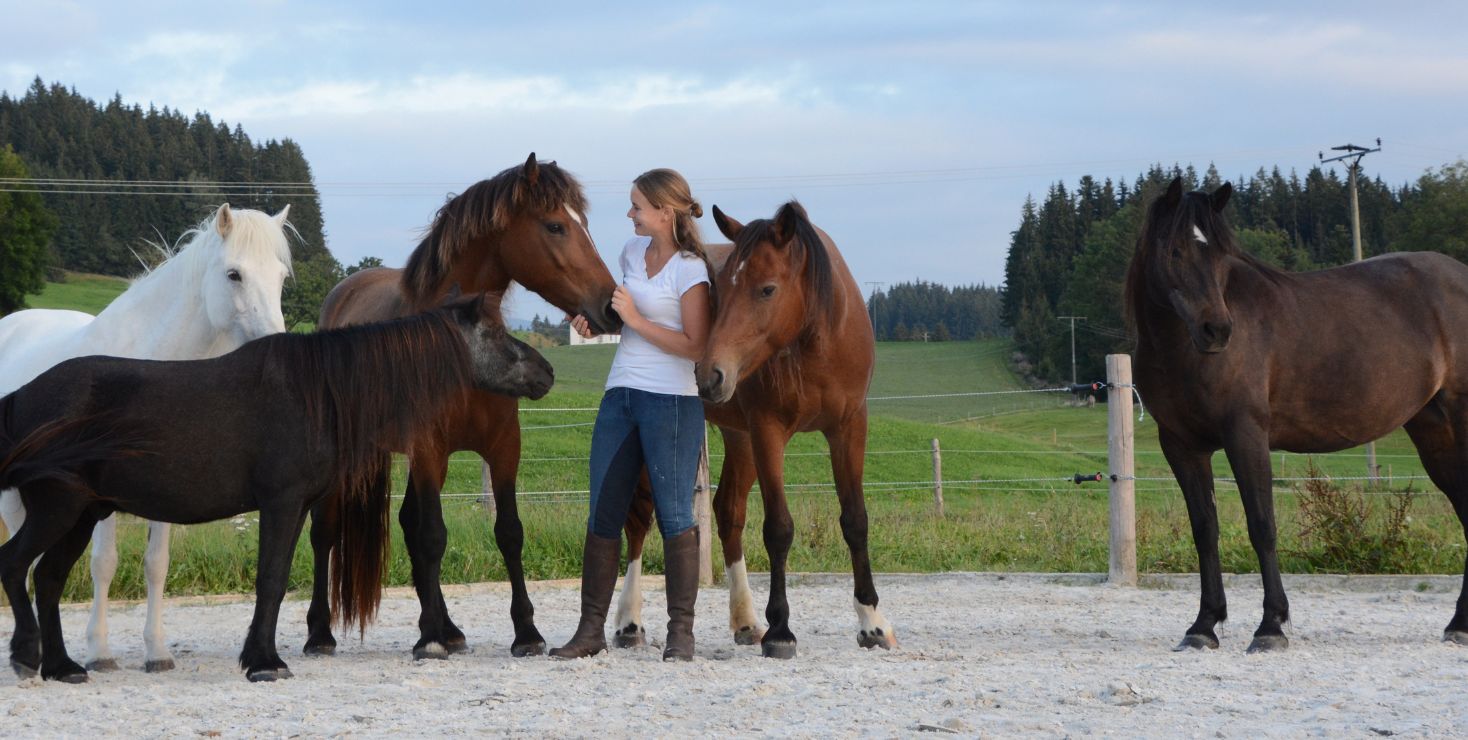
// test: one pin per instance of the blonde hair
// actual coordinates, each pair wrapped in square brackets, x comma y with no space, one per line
[665,188]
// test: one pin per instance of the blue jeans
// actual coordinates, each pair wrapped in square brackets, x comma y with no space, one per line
[636,428]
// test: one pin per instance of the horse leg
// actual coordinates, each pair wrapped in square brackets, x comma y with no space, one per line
[1442,443]
[1248,455]
[30,541]
[848,444]
[324,525]
[1194,473]
[280,527]
[155,569]
[509,535]
[779,530]
[104,567]
[426,537]
[736,477]
[50,576]
[629,631]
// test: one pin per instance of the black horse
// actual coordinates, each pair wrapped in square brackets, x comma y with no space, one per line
[1236,355]
[276,426]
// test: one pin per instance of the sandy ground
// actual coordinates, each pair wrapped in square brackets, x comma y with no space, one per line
[980,655]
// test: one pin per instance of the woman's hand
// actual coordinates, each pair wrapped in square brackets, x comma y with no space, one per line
[623,305]
[580,325]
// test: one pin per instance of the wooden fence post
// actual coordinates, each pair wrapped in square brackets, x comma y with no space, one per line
[486,494]
[1123,471]
[703,509]
[938,478]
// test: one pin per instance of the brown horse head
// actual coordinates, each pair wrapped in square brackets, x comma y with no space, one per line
[526,224]
[1182,263]
[777,281]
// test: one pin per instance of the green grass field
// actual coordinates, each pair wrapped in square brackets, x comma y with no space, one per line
[1007,460]
[80,292]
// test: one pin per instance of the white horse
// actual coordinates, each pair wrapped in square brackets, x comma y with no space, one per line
[220,289]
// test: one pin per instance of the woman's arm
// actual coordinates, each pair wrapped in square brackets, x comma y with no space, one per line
[689,343]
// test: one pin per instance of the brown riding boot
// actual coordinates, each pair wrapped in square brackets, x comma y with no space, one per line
[680,555]
[598,577]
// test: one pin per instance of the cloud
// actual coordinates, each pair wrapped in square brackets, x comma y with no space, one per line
[467,92]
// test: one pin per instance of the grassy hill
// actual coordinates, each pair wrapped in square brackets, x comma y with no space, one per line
[1007,461]
[80,292]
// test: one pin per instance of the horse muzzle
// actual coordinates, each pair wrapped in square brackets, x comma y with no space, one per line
[714,385]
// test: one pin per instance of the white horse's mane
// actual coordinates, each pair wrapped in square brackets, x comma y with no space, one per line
[190,251]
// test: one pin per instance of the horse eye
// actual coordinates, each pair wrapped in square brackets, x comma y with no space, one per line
[555,228]
[767,291]
[235,276]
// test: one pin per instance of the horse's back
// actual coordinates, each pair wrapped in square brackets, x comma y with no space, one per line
[365,297]
[33,340]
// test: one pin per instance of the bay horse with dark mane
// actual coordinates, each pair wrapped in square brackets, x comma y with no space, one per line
[1236,355]
[526,224]
[276,426]
[791,350]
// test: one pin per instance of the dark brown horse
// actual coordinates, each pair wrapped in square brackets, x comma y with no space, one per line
[275,426]
[1233,354]
[791,350]
[526,225]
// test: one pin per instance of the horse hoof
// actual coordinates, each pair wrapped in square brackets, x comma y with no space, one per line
[105,665]
[158,666]
[877,638]
[430,651]
[528,649]
[321,651]
[73,677]
[784,650]
[1269,644]
[23,671]
[268,674]
[1456,637]
[457,645]
[630,636]
[1197,642]
[747,636]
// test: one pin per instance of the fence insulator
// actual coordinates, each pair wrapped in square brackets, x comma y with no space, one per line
[1088,478]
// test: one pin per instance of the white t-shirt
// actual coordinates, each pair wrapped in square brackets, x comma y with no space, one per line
[639,363]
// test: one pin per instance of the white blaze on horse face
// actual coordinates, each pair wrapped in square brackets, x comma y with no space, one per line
[735,280]
[629,604]
[1198,235]
[580,221]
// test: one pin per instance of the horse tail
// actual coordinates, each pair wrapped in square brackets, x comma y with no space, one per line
[60,449]
[359,557]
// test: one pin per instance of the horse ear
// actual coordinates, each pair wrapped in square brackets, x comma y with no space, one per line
[531,170]
[727,226]
[223,221]
[1220,197]
[1174,192]
[280,217]
[788,220]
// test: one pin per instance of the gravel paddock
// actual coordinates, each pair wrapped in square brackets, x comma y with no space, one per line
[980,655]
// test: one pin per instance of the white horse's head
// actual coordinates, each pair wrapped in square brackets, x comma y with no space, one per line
[243,271]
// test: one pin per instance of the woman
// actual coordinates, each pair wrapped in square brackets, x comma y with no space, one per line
[651,414]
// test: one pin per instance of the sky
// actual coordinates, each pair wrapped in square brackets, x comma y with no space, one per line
[912,132]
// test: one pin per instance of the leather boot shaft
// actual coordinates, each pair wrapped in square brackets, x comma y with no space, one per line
[681,557]
[599,563]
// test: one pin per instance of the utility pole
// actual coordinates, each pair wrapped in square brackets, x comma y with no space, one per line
[874,284]
[1073,320]
[1355,153]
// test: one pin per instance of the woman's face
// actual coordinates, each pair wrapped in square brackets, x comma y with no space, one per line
[646,220]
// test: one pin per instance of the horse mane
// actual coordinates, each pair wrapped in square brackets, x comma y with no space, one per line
[1160,228]
[252,231]
[369,388]
[487,207]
